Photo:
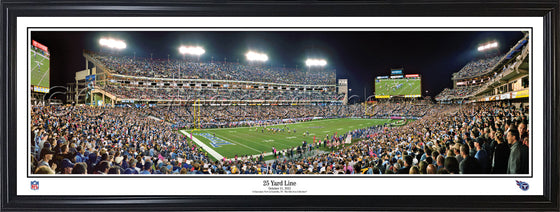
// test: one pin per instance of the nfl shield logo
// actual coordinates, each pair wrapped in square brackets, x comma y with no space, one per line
[34,185]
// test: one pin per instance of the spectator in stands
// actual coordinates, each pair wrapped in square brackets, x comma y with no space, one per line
[80,155]
[114,170]
[457,151]
[414,170]
[451,165]
[67,166]
[469,165]
[103,167]
[523,133]
[501,155]
[482,157]
[431,169]
[147,169]
[46,157]
[518,162]
[440,162]
[80,168]
[44,170]
[407,165]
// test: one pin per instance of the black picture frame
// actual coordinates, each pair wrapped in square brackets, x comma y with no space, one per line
[547,9]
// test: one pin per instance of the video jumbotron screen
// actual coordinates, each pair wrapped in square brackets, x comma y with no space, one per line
[279,103]
[40,66]
[398,87]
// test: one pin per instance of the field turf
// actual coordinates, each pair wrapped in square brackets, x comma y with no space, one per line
[253,141]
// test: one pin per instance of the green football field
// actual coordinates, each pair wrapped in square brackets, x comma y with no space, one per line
[39,69]
[229,142]
[397,87]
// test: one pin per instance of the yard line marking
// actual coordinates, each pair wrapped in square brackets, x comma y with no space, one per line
[241,144]
[210,151]
[43,76]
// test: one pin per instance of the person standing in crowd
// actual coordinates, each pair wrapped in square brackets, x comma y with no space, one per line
[147,169]
[451,165]
[518,162]
[407,165]
[431,169]
[469,165]
[440,162]
[501,155]
[80,155]
[481,156]
[46,156]
[457,151]
[67,166]
[103,167]
[80,168]
[523,133]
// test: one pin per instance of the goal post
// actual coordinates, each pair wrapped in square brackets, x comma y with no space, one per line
[369,108]
[196,115]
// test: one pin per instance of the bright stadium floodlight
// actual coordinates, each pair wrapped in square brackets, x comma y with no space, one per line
[315,62]
[255,56]
[192,50]
[112,43]
[488,46]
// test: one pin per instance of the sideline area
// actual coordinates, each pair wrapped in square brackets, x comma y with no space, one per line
[204,146]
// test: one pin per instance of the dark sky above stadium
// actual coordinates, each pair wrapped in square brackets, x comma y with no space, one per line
[357,56]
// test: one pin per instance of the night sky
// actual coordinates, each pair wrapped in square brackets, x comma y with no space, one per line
[357,56]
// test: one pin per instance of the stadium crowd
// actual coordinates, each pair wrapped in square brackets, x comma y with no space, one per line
[249,116]
[134,92]
[459,92]
[486,138]
[405,109]
[93,140]
[160,68]
[477,68]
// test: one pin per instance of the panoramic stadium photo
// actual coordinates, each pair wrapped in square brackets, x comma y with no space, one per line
[133,103]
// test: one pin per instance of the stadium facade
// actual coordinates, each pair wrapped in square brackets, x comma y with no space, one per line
[181,82]
[502,77]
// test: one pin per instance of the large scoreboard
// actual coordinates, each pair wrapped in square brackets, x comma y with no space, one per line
[408,86]
[39,58]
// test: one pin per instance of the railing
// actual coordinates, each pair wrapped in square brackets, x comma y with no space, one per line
[110,95]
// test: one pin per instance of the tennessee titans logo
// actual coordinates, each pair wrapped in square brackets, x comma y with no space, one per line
[522,185]
[34,185]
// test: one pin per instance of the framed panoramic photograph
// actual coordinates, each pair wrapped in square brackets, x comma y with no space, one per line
[280,106]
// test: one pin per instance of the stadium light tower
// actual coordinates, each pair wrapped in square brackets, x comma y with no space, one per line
[255,56]
[486,46]
[316,62]
[112,43]
[192,50]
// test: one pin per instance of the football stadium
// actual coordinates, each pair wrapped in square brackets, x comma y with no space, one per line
[186,111]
